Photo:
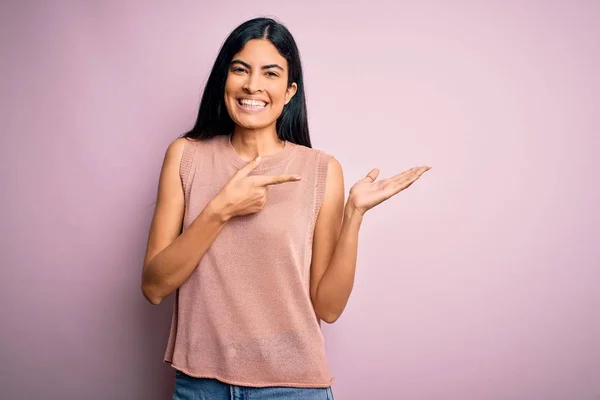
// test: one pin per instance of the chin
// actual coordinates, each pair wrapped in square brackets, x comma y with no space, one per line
[251,123]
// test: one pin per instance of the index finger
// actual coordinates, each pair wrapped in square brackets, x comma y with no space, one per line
[275,179]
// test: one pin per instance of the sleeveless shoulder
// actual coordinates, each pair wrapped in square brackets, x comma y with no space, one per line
[318,162]
[188,162]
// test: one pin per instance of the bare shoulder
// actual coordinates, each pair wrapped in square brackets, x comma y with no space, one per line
[333,163]
[334,168]
[335,174]
[334,182]
[168,213]
[175,149]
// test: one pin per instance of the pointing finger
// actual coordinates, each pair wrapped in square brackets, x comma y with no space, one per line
[275,179]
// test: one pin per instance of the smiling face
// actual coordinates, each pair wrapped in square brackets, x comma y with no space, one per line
[257,89]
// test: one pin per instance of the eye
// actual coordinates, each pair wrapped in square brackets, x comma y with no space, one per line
[272,74]
[238,70]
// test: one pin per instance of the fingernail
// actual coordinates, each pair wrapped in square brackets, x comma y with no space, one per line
[258,158]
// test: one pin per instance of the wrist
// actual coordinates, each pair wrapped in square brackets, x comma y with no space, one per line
[351,213]
[216,209]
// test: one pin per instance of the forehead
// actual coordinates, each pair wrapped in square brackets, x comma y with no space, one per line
[258,52]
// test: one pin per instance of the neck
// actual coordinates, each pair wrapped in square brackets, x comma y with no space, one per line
[250,143]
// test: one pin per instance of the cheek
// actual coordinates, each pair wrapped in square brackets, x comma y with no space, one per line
[278,94]
[229,95]
[233,84]
[229,89]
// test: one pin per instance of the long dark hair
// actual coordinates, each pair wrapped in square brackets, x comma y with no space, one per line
[213,118]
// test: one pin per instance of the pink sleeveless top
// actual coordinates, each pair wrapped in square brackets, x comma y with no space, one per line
[245,316]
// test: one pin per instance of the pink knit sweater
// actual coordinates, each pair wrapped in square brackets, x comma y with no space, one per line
[245,316]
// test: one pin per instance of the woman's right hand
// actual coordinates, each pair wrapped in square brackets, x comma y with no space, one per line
[243,194]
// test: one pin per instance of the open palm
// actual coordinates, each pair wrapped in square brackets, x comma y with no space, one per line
[367,192]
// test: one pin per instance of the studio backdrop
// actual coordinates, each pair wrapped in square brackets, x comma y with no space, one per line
[480,282]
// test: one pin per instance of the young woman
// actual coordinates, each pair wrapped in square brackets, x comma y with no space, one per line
[252,231]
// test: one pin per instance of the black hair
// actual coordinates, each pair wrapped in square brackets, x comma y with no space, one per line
[213,118]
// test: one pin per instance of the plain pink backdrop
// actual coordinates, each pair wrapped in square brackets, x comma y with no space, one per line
[480,282]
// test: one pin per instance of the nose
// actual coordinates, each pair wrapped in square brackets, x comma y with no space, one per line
[252,84]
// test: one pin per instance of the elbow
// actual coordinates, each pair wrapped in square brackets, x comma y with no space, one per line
[330,318]
[150,289]
[154,300]
[325,312]
[151,295]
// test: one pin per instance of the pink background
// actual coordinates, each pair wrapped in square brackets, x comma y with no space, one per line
[482,281]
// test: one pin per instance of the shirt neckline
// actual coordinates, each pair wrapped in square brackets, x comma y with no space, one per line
[266,163]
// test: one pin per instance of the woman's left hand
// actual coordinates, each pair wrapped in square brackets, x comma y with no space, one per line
[367,193]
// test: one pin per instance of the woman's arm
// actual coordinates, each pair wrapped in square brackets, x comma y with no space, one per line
[335,246]
[335,243]
[172,256]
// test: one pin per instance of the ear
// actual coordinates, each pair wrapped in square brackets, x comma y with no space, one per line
[290,92]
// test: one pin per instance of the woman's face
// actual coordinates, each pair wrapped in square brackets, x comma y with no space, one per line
[256,89]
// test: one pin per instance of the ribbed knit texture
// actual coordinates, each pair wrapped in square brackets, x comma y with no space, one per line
[245,316]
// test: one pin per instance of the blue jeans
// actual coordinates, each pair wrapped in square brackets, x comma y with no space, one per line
[190,388]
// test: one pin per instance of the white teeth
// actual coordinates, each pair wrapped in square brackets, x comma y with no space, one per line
[252,103]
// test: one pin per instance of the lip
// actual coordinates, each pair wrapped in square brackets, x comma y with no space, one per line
[250,109]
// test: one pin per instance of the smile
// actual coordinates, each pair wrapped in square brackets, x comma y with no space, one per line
[251,105]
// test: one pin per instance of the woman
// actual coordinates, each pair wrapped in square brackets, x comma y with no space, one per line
[252,232]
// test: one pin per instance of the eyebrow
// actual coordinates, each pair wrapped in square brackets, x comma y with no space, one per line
[269,66]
